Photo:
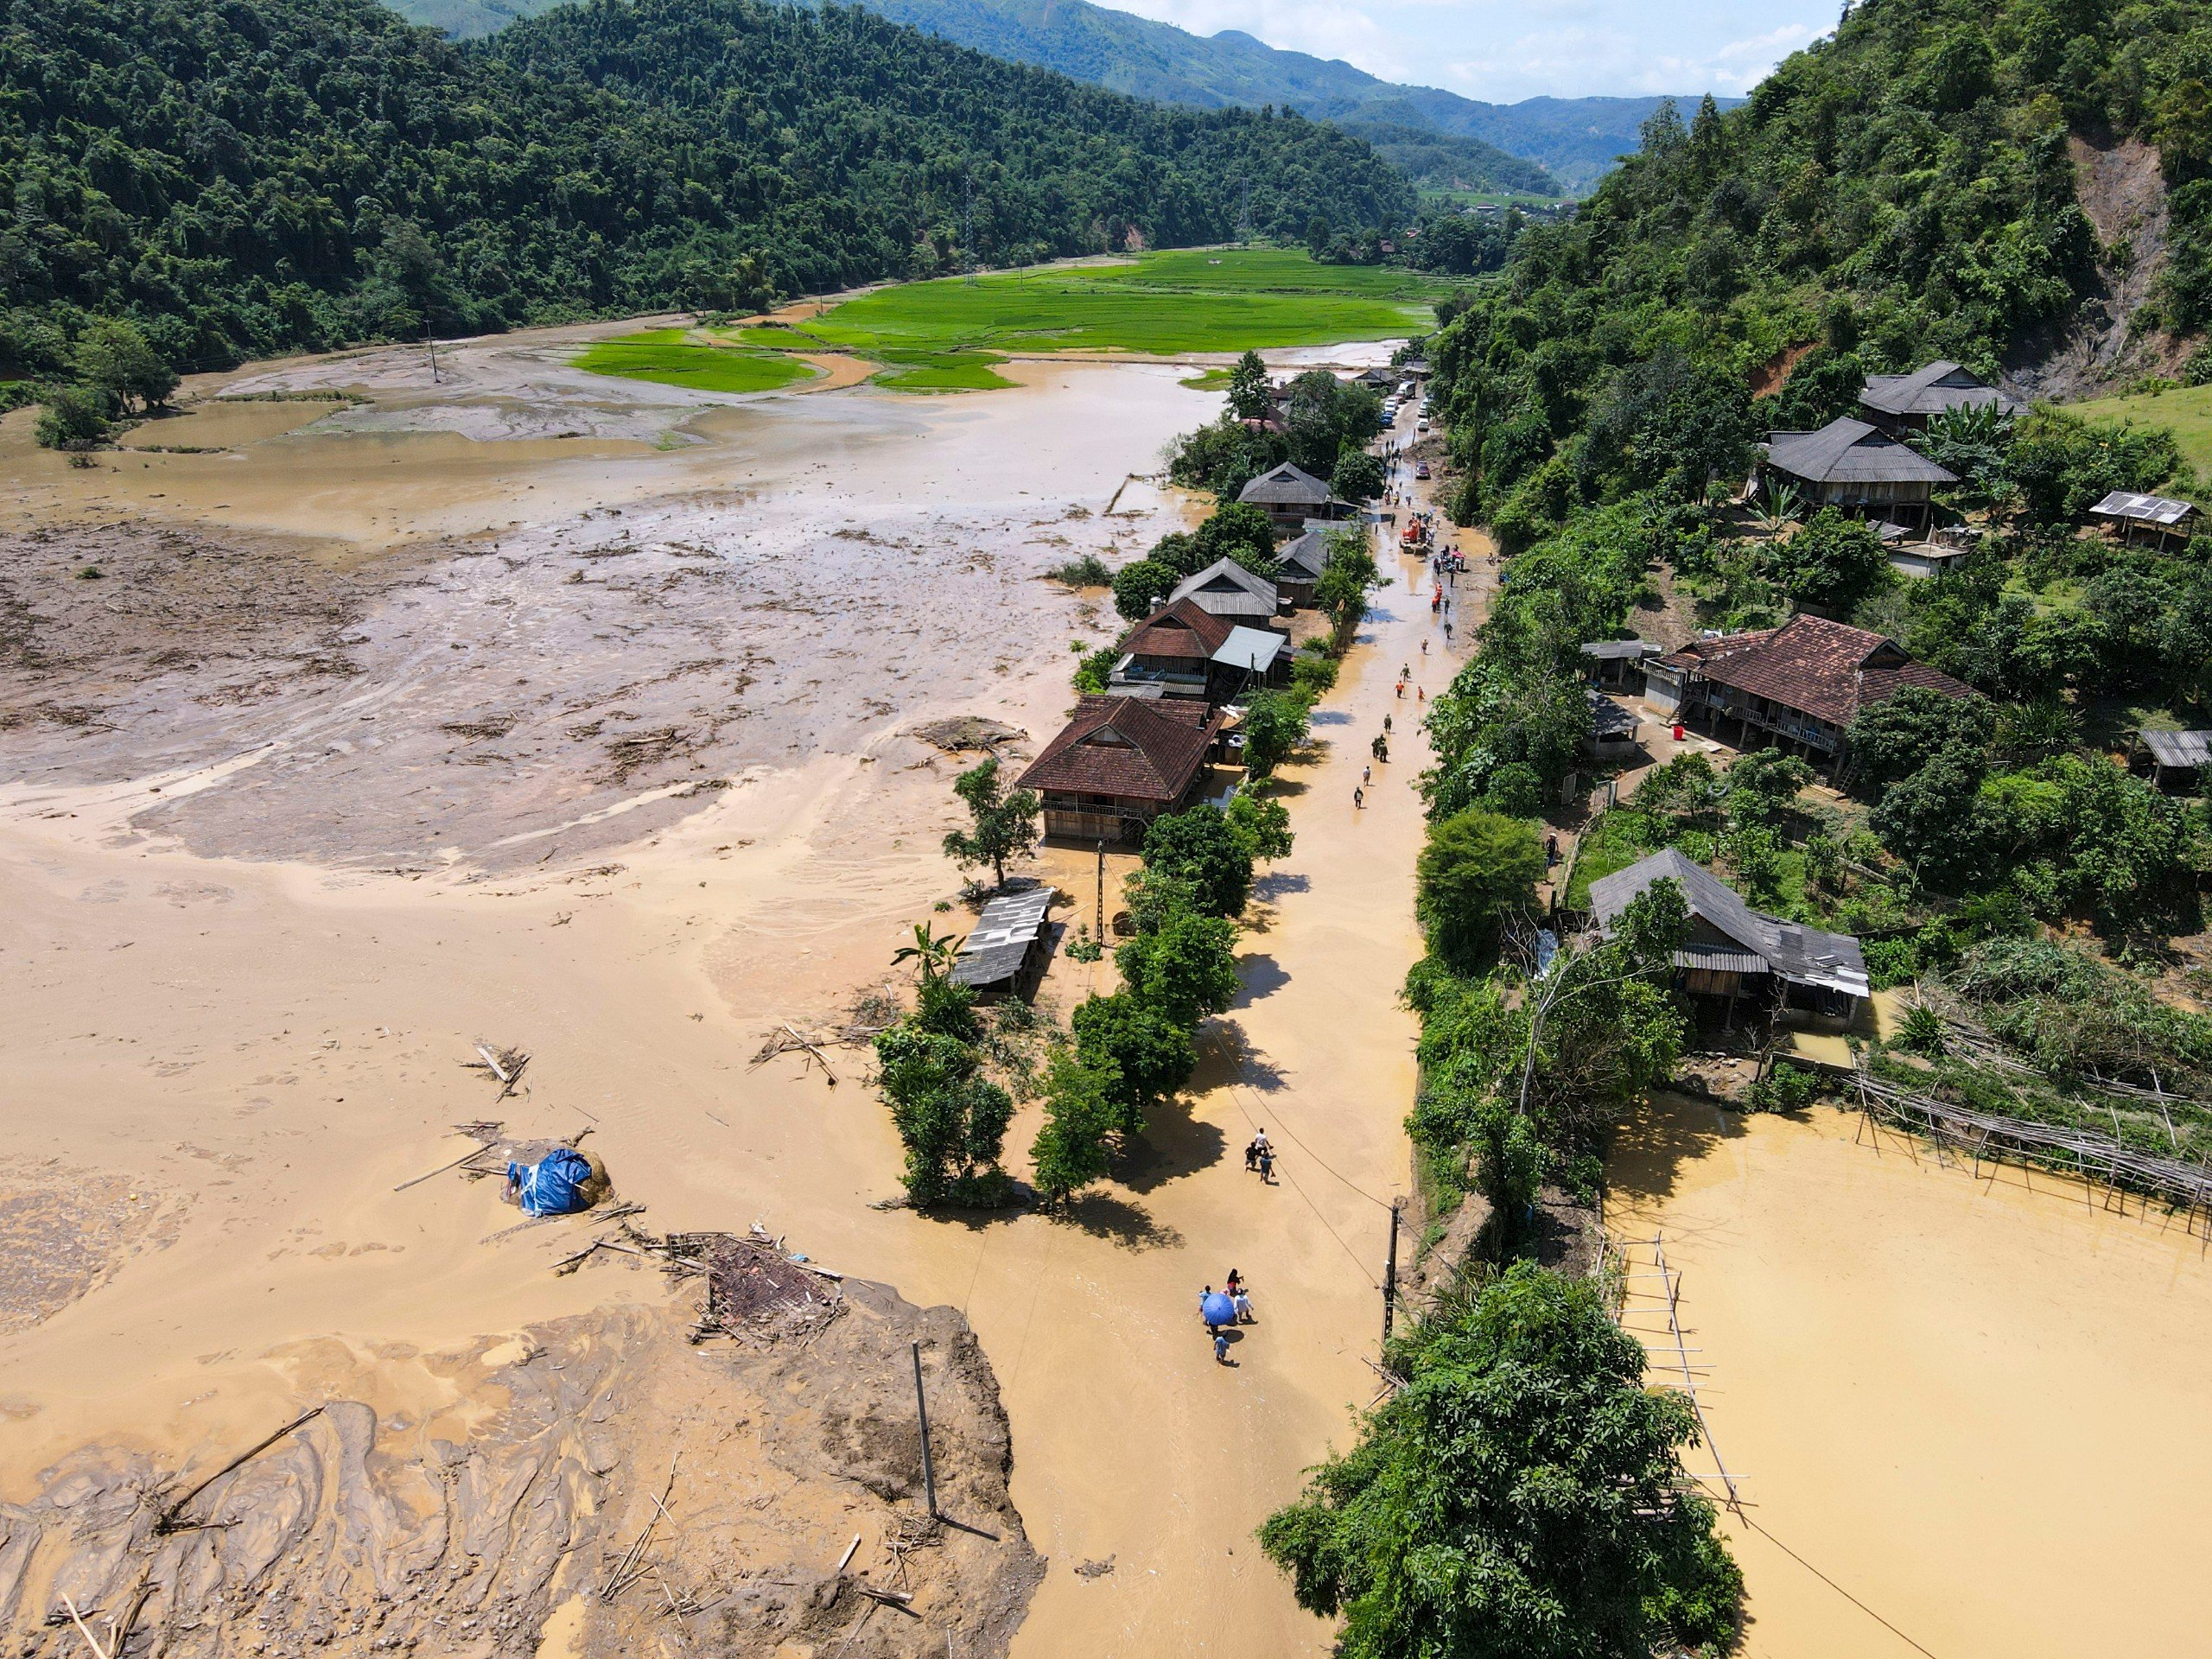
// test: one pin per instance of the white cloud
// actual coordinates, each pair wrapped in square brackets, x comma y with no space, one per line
[1510,49]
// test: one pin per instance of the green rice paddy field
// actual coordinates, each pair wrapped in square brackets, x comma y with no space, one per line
[947,335]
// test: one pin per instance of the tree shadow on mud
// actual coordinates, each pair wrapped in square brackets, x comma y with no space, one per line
[1651,1149]
[1276,883]
[1118,1221]
[1258,976]
[1176,1142]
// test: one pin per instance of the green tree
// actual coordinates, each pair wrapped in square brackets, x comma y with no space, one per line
[1476,868]
[950,1118]
[1520,1498]
[1345,581]
[1358,476]
[1004,823]
[1184,970]
[1260,824]
[1239,532]
[1150,1057]
[1894,738]
[1829,562]
[75,418]
[114,358]
[1248,388]
[1071,1150]
[1201,847]
[1762,787]
[1275,726]
[1140,587]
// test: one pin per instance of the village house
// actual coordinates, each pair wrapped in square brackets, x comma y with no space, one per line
[1300,563]
[1119,764]
[1737,960]
[2177,760]
[1852,465]
[1899,404]
[1289,495]
[1227,589]
[1795,687]
[1183,650]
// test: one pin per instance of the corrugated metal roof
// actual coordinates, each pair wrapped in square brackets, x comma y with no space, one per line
[1287,486]
[1252,648]
[1227,589]
[1612,650]
[1712,960]
[999,946]
[2179,748]
[2142,508]
[1806,955]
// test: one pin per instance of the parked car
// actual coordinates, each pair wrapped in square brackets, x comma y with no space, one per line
[1421,469]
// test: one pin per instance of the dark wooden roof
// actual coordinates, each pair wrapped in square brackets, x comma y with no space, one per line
[1828,669]
[1303,558]
[1930,390]
[1846,451]
[1287,486]
[1128,747]
[1183,629]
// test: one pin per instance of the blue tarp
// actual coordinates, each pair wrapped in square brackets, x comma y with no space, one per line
[553,1187]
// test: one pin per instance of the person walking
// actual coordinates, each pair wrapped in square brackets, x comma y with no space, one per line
[1243,1305]
[1267,1167]
[1358,798]
[1221,1347]
[1234,1283]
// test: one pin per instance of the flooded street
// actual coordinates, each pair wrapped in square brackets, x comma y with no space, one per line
[1976,1407]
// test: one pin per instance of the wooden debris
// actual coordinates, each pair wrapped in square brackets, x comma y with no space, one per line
[503,1063]
[167,1521]
[77,1618]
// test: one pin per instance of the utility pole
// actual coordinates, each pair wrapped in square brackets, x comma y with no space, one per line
[1100,934]
[1390,1274]
[922,1411]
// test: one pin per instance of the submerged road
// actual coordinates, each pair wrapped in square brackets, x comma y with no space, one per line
[1131,1444]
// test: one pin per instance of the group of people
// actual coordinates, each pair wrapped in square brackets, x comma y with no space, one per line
[1218,1309]
[1259,1154]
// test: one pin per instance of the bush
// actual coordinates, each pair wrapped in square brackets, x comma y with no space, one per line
[1071,1150]
[1785,1088]
[1089,571]
[75,418]
[1092,674]
[1275,726]
[1201,847]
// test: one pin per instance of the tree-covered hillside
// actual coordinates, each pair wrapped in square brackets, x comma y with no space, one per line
[248,177]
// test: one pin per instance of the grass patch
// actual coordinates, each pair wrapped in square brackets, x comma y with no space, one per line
[912,371]
[1209,380]
[664,356]
[1229,300]
[2187,409]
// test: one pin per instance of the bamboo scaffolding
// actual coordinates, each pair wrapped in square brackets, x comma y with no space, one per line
[2097,1158]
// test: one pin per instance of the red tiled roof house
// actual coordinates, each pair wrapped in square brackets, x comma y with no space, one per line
[1119,764]
[1795,687]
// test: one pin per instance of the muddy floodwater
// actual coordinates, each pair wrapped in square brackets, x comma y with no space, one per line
[582,717]
[1968,1414]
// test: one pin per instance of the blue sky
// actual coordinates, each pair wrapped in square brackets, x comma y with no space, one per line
[1502,50]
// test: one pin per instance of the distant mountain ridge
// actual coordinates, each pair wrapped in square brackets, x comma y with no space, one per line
[1438,138]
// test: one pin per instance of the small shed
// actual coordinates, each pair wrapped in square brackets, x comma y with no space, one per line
[2177,759]
[1012,942]
[1618,664]
[1612,728]
[2129,513]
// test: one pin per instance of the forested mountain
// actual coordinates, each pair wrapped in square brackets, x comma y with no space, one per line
[1436,136]
[257,175]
